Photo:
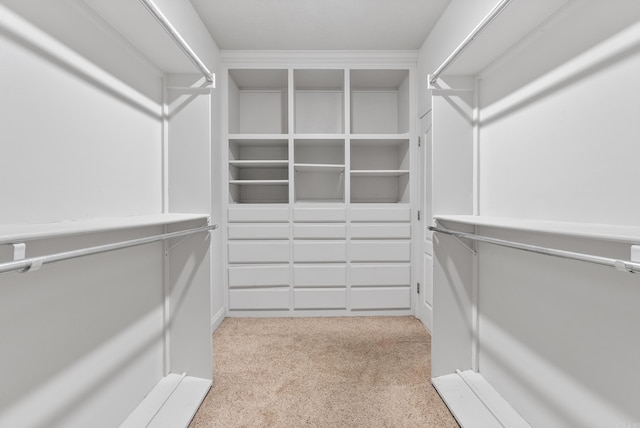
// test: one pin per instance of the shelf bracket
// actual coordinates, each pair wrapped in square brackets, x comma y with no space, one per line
[168,250]
[470,248]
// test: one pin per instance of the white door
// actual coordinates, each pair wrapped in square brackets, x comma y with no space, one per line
[424,296]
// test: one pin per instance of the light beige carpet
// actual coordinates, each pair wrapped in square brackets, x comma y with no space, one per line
[322,372]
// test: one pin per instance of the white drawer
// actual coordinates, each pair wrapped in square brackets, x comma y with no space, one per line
[380,251]
[258,214]
[250,276]
[259,299]
[258,252]
[319,276]
[381,298]
[319,214]
[380,230]
[320,299]
[380,274]
[258,231]
[319,251]
[373,214]
[319,231]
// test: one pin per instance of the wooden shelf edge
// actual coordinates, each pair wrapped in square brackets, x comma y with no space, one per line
[172,402]
[606,232]
[469,397]
[29,232]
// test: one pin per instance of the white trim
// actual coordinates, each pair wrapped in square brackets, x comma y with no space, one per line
[217,319]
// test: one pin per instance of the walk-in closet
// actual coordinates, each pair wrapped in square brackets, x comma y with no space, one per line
[169,164]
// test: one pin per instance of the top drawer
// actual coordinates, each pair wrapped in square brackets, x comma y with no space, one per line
[380,214]
[324,215]
[258,214]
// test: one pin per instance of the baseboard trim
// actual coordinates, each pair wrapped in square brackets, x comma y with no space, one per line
[217,319]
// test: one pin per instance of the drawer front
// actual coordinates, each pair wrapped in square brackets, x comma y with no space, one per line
[320,214]
[259,299]
[254,276]
[373,214]
[380,274]
[319,251]
[381,298]
[258,252]
[380,251]
[320,276]
[258,215]
[381,231]
[319,231]
[320,299]
[258,231]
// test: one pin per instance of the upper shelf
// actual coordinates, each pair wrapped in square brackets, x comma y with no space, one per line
[11,233]
[501,34]
[606,232]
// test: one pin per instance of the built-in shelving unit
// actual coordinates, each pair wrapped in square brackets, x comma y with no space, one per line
[319,217]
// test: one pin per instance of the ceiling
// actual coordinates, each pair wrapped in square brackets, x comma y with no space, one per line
[319,24]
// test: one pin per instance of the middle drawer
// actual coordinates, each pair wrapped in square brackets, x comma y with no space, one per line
[319,251]
[258,231]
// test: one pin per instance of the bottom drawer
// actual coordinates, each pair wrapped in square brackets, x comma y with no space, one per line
[320,298]
[363,298]
[259,299]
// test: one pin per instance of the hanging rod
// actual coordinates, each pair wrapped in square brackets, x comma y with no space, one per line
[173,33]
[622,265]
[433,77]
[34,263]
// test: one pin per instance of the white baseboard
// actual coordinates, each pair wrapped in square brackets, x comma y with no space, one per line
[217,320]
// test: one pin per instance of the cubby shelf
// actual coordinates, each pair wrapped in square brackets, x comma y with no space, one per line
[379,172]
[259,182]
[309,167]
[258,163]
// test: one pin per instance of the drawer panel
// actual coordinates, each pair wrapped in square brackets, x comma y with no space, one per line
[380,251]
[258,231]
[259,299]
[373,214]
[381,230]
[338,214]
[381,298]
[380,274]
[258,215]
[319,231]
[258,252]
[320,276]
[320,299]
[319,251]
[252,276]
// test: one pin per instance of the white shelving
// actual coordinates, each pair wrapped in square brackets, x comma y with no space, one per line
[319,170]
[319,101]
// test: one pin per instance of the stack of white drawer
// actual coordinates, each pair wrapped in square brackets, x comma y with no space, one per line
[319,260]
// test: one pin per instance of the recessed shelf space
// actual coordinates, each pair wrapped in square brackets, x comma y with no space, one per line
[258,101]
[319,170]
[258,171]
[319,101]
[379,171]
[380,101]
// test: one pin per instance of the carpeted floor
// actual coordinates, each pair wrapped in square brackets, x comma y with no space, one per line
[322,372]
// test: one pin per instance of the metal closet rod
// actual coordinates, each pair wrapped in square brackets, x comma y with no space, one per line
[182,44]
[622,265]
[469,39]
[34,263]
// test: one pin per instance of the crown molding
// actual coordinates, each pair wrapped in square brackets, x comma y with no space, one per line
[284,58]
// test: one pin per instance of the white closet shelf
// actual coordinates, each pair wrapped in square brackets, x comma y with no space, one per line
[171,403]
[254,139]
[260,182]
[605,232]
[319,136]
[474,402]
[27,232]
[313,167]
[399,137]
[379,172]
[259,163]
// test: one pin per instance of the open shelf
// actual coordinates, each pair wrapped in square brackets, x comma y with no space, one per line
[319,101]
[319,170]
[380,101]
[10,233]
[379,173]
[258,101]
[258,163]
